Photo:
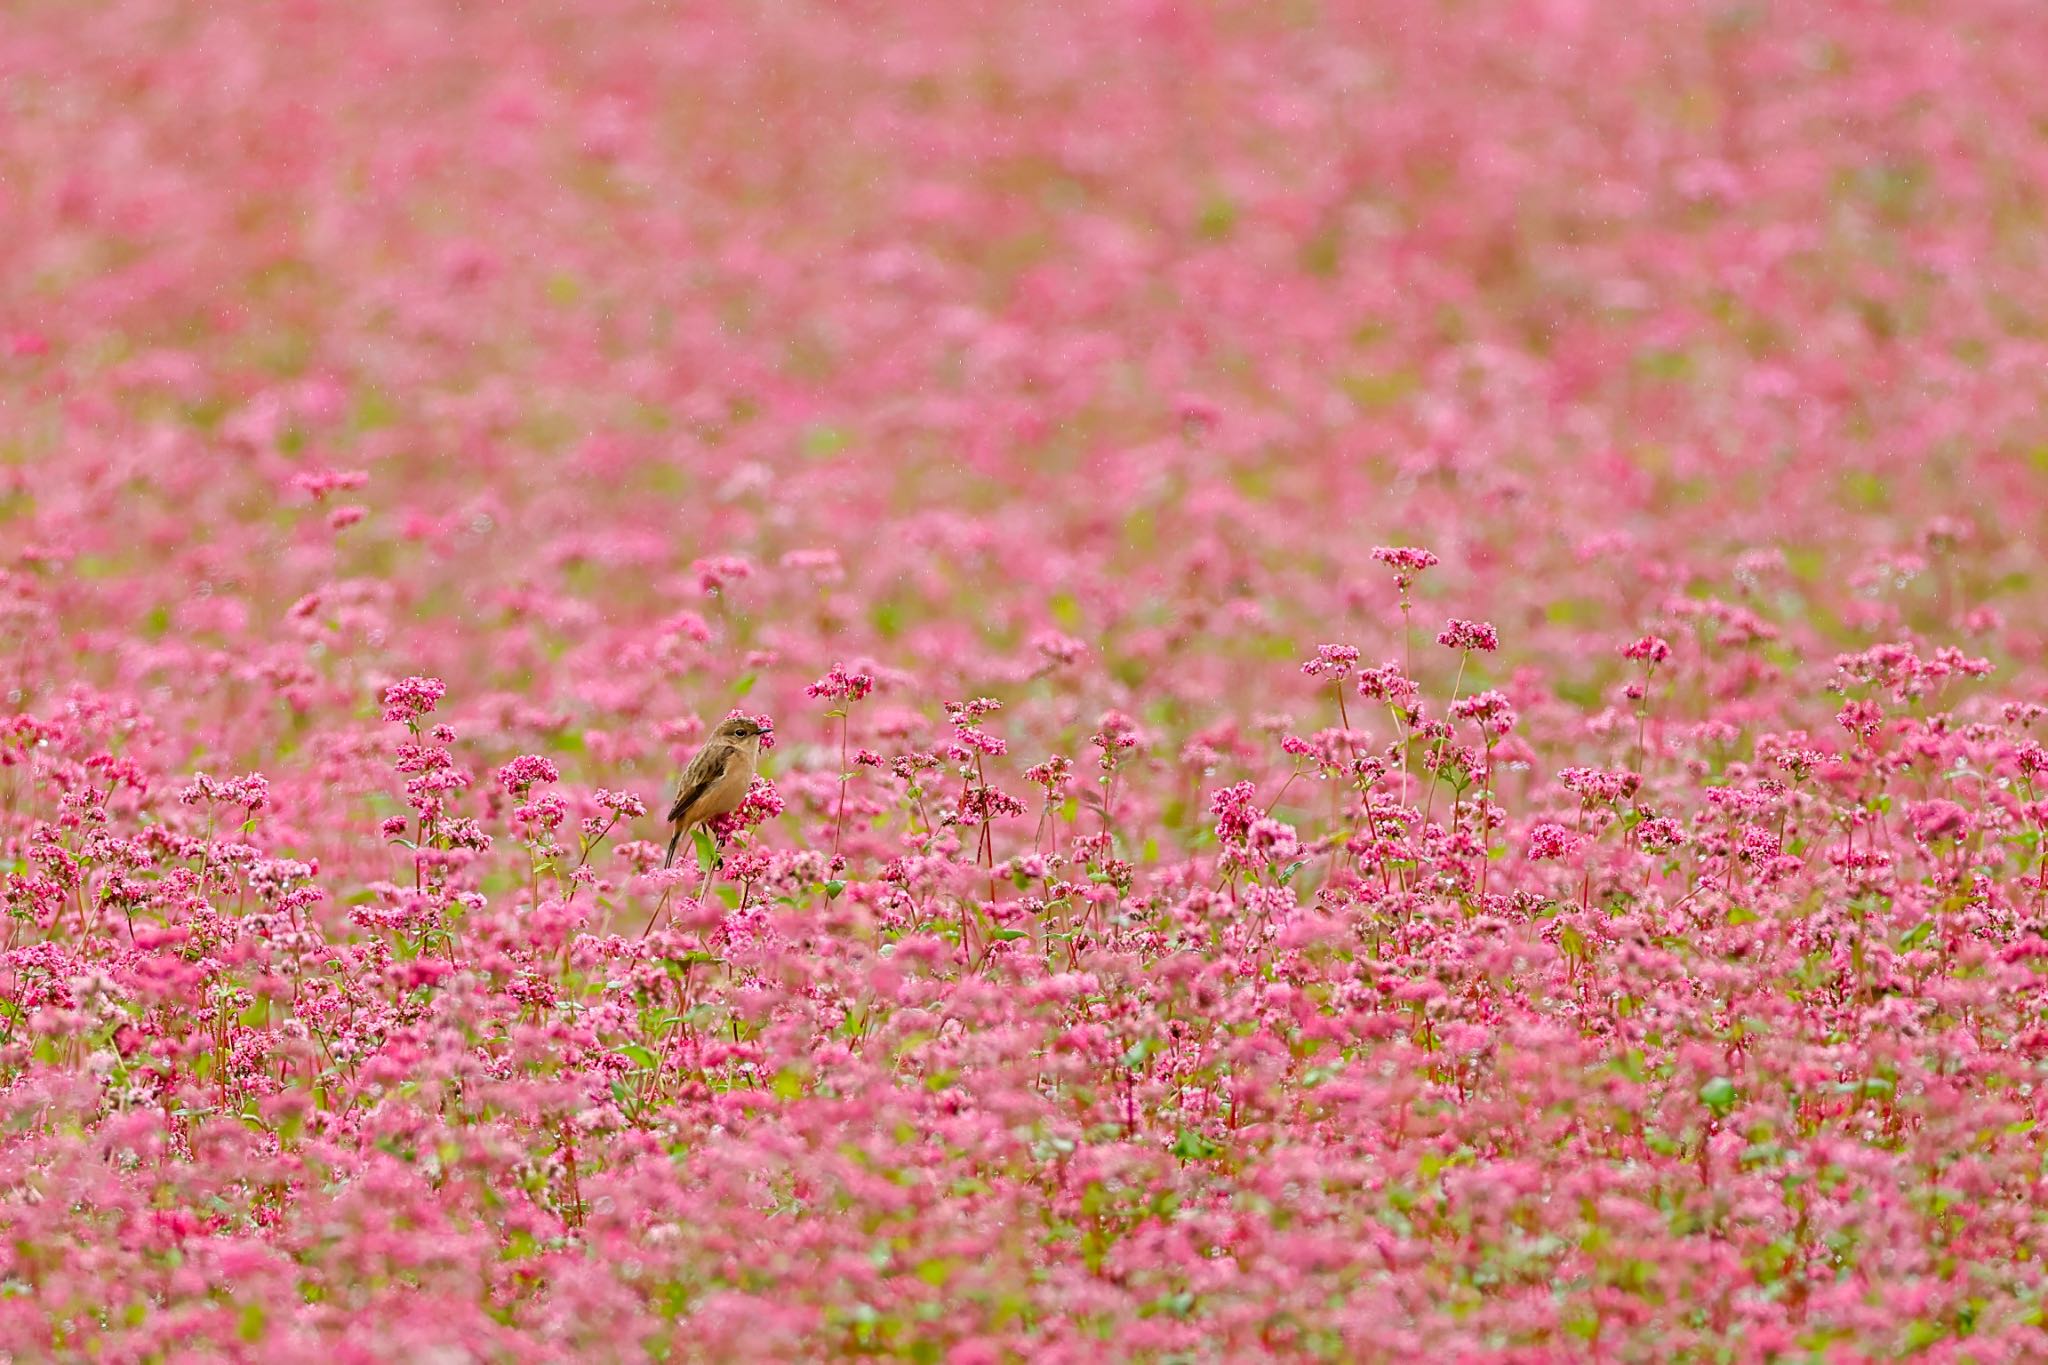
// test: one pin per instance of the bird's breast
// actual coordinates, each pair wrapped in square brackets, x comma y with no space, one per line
[731,789]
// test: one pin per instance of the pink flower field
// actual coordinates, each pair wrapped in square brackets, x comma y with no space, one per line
[1406,641]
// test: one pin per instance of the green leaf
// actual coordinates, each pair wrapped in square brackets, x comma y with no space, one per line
[638,1055]
[253,1323]
[707,848]
[1177,1305]
[1922,1333]
[833,888]
[744,684]
[1192,1146]
[1718,1094]
[1008,935]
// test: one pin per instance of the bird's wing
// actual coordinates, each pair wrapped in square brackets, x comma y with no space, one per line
[704,773]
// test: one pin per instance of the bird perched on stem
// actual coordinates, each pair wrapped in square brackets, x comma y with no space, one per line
[717,779]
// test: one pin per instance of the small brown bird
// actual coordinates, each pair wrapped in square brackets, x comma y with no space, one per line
[717,779]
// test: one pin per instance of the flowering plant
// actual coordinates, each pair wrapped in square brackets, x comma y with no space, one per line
[1072,423]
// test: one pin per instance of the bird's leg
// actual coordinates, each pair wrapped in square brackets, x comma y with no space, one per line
[710,875]
[669,890]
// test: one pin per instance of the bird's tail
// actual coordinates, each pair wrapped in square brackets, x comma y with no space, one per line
[673,840]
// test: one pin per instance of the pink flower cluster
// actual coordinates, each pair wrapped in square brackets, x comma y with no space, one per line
[841,683]
[421,424]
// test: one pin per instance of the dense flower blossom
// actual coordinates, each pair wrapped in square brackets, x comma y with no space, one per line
[1273,839]
[981,803]
[1235,809]
[1468,635]
[1861,718]
[251,792]
[423,424]
[1548,841]
[1650,649]
[526,770]
[410,698]
[1594,785]
[1054,775]
[1390,685]
[1116,735]
[762,802]
[842,683]
[624,804]
[1490,710]
[1407,561]
[1660,834]
[1332,661]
